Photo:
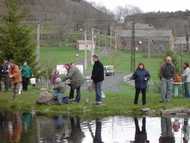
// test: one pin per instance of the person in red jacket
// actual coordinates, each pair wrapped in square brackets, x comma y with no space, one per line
[15,76]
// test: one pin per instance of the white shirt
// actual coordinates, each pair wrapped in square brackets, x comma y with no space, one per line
[186,74]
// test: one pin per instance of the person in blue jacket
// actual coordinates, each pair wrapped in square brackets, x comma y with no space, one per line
[141,77]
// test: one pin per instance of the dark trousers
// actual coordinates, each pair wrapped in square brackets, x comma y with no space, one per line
[72,92]
[25,82]
[6,81]
[143,91]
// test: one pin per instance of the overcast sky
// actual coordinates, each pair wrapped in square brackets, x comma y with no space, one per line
[147,5]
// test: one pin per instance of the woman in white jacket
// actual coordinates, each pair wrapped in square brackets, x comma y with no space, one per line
[186,77]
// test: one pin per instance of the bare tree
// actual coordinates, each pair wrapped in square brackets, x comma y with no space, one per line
[122,12]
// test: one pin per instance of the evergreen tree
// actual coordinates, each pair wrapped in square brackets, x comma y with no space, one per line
[16,40]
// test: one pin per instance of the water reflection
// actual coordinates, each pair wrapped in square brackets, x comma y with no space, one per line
[26,128]
[166,131]
[140,135]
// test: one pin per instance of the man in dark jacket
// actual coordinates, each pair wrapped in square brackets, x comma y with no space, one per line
[141,77]
[167,72]
[98,78]
[5,75]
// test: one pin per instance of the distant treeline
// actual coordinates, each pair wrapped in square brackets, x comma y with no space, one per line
[178,21]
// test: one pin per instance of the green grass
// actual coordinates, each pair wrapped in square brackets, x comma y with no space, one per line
[114,104]
[52,56]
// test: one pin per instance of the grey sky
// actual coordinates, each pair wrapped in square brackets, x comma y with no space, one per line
[147,5]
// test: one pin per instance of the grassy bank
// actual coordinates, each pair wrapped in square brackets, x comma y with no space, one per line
[114,104]
[52,56]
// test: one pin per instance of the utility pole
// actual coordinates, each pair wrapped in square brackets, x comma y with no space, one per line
[106,42]
[187,39]
[133,49]
[115,40]
[38,44]
[110,37]
[148,51]
[85,51]
[93,46]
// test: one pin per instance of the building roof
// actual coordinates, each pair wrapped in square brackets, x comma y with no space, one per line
[146,33]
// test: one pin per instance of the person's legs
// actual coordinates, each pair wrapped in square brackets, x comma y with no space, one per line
[6,82]
[163,89]
[169,90]
[27,82]
[188,89]
[137,92]
[71,94]
[58,96]
[143,96]
[77,98]
[98,90]
[15,88]
[24,83]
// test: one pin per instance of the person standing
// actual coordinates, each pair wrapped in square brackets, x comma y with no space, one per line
[76,80]
[98,78]
[186,76]
[26,75]
[167,73]
[5,75]
[141,77]
[15,76]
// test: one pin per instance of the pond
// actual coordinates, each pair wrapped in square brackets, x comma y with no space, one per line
[29,128]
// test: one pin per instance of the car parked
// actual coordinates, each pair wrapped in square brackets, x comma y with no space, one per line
[109,70]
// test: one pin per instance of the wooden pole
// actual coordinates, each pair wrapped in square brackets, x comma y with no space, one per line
[85,51]
[38,44]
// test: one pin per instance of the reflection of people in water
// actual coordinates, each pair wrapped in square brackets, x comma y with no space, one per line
[26,120]
[140,135]
[186,130]
[166,131]
[76,132]
[98,132]
[15,128]
[58,122]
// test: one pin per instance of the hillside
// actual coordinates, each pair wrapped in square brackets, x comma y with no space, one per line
[60,17]
[179,21]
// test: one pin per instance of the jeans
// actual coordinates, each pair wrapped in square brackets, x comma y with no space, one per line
[58,95]
[98,90]
[187,89]
[166,89]
[143,91]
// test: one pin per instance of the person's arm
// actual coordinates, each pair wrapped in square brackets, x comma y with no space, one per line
[15,73]
[161,72]
[134,76]
[69,75]
[147,75]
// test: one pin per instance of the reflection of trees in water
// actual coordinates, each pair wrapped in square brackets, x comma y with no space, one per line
[167,135]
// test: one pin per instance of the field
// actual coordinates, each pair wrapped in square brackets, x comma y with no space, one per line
[117,103]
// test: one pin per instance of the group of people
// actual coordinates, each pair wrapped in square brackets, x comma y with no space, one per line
[167,77]
[11,76]
[76,79]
